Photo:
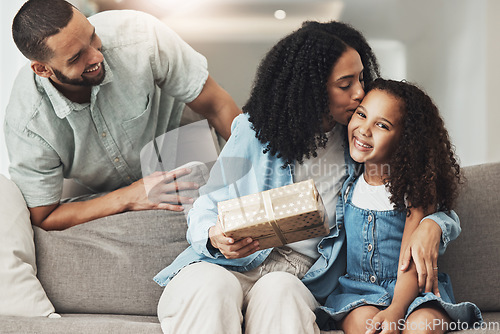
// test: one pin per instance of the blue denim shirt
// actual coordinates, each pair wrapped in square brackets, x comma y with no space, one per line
[241,169]
[150,74]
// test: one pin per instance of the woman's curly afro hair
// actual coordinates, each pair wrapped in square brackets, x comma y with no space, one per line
[289,98]
[424,171]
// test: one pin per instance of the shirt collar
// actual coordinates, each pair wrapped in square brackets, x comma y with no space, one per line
[62,105]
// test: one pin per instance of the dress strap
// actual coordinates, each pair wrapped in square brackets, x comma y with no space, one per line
[348,193]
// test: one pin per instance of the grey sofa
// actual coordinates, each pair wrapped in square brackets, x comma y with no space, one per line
[99,275]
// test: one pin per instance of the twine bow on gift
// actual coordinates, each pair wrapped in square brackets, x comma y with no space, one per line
[268,206]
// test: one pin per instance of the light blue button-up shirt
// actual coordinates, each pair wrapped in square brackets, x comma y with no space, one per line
[150,74]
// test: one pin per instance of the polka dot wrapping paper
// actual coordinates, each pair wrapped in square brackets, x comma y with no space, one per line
[276,217]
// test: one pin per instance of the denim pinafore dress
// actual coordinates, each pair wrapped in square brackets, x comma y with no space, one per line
[373,245]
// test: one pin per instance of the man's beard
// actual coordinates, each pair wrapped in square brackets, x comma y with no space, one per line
[82,81]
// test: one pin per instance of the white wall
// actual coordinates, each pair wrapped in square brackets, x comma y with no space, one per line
[11,60]
[449,47]
[233,64]
[450,63]
[447,44]
[493,80]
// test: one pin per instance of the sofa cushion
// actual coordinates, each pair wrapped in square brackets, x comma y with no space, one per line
[107,265]
[473,260]
[126,324]
[21,294]
[82,324]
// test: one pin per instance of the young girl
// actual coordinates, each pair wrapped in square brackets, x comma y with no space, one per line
[409,170]
[306,89]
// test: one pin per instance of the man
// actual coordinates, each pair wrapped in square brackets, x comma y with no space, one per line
[96,92]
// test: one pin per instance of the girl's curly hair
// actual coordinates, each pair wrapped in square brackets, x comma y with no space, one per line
[289,97]
[424,171]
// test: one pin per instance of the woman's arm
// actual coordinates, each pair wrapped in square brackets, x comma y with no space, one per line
[231,170]
[422,249]
[428,241]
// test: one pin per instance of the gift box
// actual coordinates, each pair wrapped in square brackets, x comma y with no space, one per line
[276,217]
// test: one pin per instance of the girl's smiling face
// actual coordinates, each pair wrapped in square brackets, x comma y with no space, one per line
[375,128]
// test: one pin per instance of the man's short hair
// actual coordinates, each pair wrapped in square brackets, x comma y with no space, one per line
[35,22]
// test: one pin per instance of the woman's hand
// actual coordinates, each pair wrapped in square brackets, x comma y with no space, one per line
[228,247]
[387,321]
[423,248]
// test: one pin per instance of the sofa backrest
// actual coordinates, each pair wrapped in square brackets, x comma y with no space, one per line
[473,260]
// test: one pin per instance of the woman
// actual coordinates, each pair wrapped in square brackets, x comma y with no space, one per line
[305,91]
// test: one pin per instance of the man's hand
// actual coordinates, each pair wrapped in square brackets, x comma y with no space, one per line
[159,190]
[423,248]
[156,191]
[228,247]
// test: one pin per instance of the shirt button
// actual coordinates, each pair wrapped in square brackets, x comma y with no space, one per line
[373,278]
[117,159]
[320,246]
[370,247]
[370,218]
[340,226]
[104,134]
